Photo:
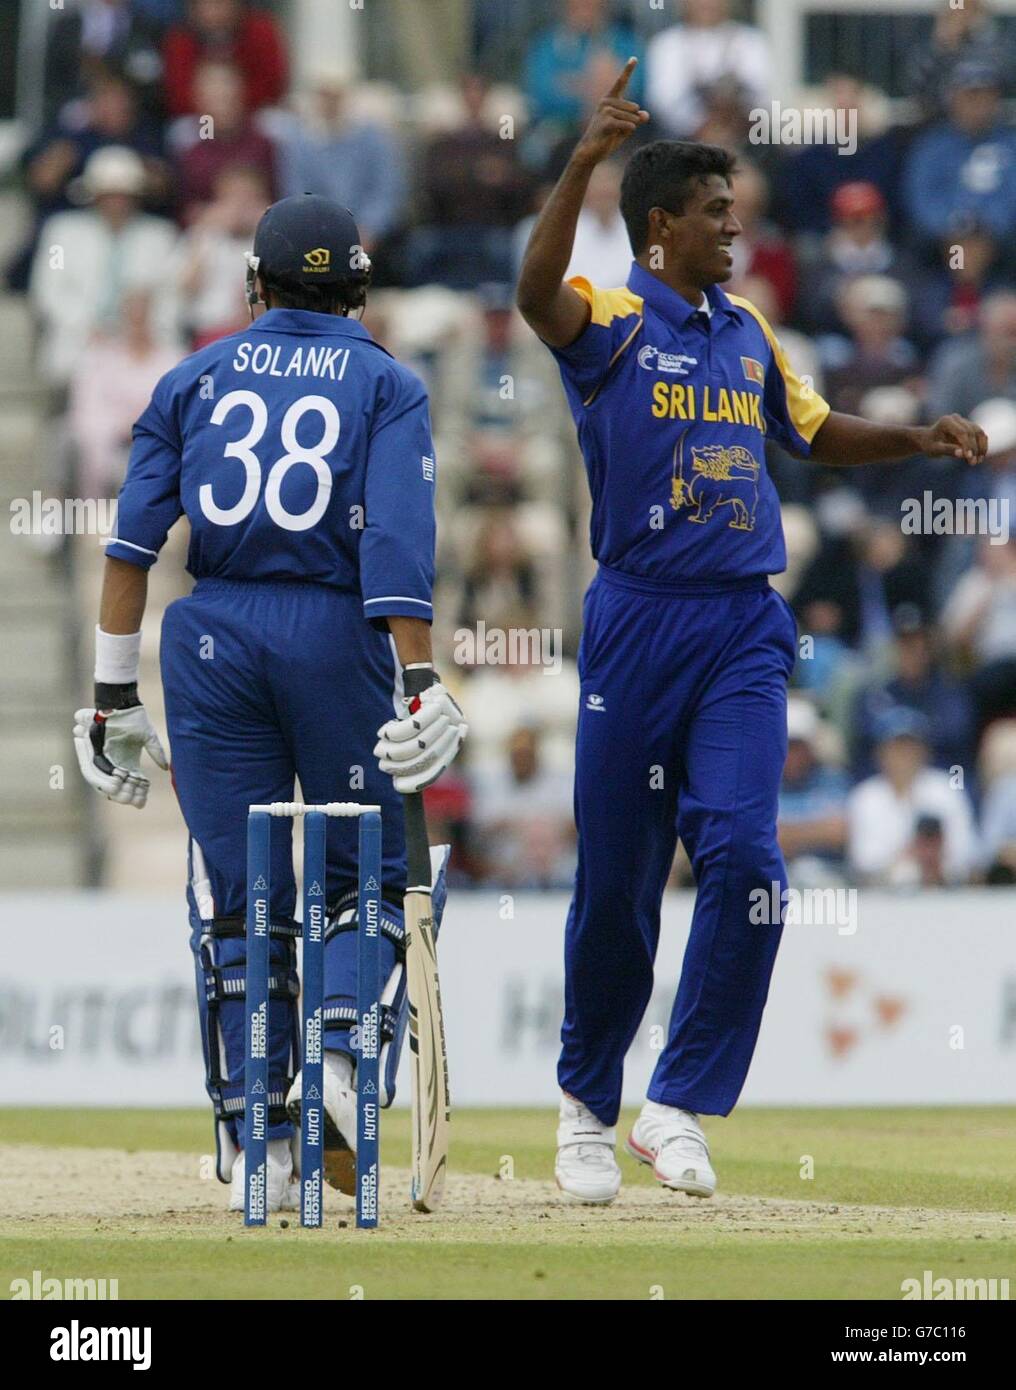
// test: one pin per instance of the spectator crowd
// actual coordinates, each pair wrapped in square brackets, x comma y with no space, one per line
[888,274]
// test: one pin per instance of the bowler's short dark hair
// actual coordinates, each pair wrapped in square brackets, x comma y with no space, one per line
[658,175]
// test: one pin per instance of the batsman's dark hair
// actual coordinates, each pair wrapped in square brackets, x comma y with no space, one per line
[658,175]
[344,295]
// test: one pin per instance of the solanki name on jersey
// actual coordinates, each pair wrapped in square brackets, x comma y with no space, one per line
[263,359]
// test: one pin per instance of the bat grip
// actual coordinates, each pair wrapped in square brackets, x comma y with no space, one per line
[415,681]
[417,843]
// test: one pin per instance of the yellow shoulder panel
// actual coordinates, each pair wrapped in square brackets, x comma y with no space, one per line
[805,406]
[606,305]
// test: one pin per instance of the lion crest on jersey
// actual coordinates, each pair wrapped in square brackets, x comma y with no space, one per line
[716,475]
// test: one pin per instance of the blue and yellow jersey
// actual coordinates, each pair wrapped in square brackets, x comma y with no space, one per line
[673,407]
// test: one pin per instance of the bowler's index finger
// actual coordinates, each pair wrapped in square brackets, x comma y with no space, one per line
[622,78]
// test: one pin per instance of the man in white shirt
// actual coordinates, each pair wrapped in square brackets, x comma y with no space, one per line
[523,812]
[910,825]
[88,259]
[602,251]
[684,61]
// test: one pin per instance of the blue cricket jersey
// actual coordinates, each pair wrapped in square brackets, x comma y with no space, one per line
[298,448]
[673,407]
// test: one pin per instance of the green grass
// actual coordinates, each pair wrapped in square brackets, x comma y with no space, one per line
[303,1265]
[954,1159]
[927,1166]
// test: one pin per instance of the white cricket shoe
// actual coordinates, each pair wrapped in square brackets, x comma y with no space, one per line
[340,1120]
[283,1190]
[585,1168]
[672,1143]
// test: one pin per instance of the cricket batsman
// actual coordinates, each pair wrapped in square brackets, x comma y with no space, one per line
[675,387]
[301,454]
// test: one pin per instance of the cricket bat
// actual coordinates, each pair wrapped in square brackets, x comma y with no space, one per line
[431,1107]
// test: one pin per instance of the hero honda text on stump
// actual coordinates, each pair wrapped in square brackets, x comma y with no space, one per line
[259,992]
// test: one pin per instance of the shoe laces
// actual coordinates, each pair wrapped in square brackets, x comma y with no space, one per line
[593,1155]
[684,1134]
[587,1140]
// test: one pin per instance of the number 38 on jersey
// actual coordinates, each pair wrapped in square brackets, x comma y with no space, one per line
[314,456]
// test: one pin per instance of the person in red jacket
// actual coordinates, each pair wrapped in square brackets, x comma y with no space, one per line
[218,91]
[229,31]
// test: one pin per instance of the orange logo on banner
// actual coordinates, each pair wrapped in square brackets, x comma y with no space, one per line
[840,982]
[848,993]
[840,1040]
[889,1010]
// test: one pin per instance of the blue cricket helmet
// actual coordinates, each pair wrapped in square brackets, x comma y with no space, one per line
[308,240]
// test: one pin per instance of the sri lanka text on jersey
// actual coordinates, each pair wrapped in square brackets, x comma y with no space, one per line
[674,401]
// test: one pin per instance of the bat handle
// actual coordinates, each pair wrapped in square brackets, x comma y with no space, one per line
[417,843]
[415,681]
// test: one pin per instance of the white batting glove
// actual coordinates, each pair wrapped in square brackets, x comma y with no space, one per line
[416,749]
[109,748]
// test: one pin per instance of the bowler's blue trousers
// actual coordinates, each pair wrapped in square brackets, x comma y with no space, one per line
[682,732]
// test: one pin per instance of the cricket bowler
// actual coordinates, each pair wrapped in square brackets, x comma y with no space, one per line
[301,454]
[686,650]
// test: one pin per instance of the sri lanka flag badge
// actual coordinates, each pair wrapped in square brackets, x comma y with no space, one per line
[753,370]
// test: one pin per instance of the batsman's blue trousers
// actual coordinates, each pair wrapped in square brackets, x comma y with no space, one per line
[267,682]
[682,732]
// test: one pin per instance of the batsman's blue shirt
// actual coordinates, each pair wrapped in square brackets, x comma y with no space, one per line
[673,407]
[298,448]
